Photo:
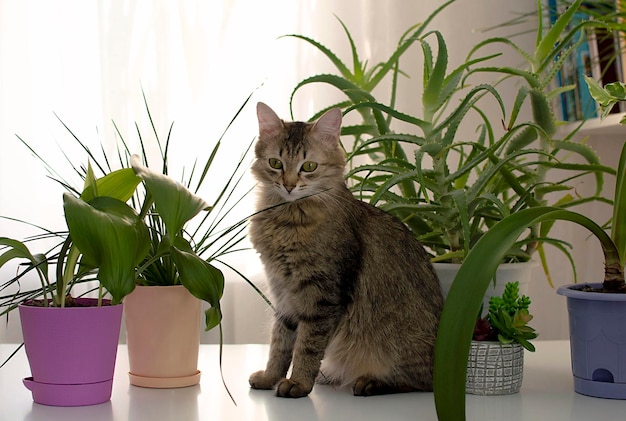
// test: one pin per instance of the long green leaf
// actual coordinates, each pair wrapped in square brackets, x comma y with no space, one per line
[618,227]
[341,67]
[434,83]
[549,39]
[467,292]
[407,42]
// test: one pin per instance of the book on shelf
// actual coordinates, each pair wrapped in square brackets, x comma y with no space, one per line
[598,54]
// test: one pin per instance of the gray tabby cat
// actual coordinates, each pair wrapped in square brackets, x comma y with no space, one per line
[351,284]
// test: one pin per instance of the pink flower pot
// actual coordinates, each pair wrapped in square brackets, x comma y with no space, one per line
[71,352]
[163,335]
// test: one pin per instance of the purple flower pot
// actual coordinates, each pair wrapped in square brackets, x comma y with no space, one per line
[71,352]
[597,341]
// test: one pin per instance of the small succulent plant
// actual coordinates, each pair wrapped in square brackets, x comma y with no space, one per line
[507,319]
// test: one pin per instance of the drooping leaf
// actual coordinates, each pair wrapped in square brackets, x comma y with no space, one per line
[19,250]
[202,280]
[212,317]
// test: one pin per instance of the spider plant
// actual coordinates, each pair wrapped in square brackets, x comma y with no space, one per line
[163,251]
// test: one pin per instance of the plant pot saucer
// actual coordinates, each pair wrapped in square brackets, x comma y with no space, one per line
[599,389]
[164,382]
[69,394]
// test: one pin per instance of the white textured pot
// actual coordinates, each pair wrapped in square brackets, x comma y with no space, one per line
[507,272]
[494,368]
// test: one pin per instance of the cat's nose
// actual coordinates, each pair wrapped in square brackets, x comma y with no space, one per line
[289,187]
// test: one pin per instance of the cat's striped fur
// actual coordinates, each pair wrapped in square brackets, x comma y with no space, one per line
[352,288]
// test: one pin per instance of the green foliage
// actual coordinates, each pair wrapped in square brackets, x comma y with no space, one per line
[104,234]
[123,235]
[509,317]
[449,186]
[478,269]
[468,289]
[109,234]
[607,97]
[15,249]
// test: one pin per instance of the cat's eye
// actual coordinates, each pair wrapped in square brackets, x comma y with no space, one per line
[309,166]
[275,163]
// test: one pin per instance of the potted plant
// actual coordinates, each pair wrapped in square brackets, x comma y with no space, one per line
[162,329]
[597,375]
[448,186]
[162,313]
[71,343]
[597,354]
[496,360]
[163,208]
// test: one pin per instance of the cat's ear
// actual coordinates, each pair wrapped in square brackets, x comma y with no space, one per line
[269,123]
[328,126]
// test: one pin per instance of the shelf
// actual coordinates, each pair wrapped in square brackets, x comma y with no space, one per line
[609,127]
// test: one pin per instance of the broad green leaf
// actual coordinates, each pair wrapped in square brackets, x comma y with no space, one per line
[110,234]
[212,318]
[617,90]
[174,202]
[202,280]
[120,184]
[605,97]
[17,250]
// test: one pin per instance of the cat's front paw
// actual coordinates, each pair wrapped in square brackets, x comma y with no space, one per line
[288,388]
[260,380]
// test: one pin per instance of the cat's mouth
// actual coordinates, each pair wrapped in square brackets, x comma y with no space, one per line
[291,193]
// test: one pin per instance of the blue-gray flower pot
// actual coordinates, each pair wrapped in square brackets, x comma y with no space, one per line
[597,340]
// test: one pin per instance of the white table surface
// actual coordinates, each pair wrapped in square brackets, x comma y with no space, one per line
[547,394]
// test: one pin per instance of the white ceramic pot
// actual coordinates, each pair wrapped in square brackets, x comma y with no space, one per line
[507,272]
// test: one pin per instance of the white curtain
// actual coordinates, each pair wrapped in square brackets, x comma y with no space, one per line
[196,61]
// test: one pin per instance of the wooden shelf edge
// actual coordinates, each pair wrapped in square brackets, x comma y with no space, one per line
[595,127]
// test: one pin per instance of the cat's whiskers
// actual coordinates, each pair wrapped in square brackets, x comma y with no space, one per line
[336,267]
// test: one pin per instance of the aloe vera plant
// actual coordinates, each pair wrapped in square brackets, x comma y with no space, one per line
[478,269]
[447,186]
